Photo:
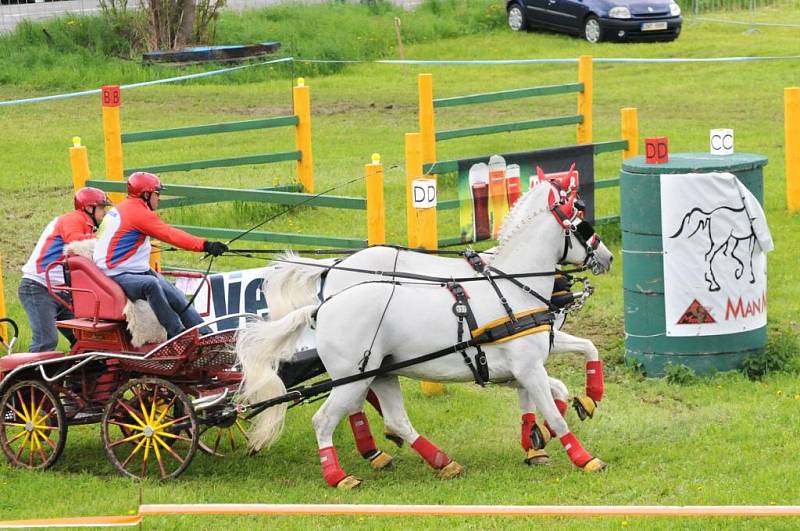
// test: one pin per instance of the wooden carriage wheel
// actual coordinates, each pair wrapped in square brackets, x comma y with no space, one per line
[149,429]
[33,428]
[227,439]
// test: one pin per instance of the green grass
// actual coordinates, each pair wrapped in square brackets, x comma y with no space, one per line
[719,440]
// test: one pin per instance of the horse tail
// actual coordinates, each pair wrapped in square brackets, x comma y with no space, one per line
[291,286]
[260,347]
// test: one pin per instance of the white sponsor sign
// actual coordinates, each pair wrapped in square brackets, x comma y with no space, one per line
[232,292]
[715,240]
[423,193]
[721,141]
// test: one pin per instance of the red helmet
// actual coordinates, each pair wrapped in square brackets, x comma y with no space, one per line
[142,182]
[88,197]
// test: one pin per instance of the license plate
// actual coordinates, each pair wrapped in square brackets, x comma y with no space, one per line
[654,26]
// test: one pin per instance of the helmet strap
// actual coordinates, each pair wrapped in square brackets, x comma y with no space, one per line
[91,212]
[146,198]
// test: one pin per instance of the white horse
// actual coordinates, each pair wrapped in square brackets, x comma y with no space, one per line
[376,322]
[299,282]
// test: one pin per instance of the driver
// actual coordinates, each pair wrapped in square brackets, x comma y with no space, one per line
[43,310]
[123,253]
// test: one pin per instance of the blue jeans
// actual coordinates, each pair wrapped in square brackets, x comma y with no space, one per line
[43,312]
[166,300]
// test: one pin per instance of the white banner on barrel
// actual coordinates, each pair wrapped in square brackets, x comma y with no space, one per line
[715,239]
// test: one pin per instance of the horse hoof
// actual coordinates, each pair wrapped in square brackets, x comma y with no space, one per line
[540,436]
[594,465]
[396,439]
[348,483]
[451,470]
[381,461]
[584,406]
[537,457]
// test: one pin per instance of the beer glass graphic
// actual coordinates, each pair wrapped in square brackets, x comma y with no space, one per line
[513,185]
[479,186]
[497,192]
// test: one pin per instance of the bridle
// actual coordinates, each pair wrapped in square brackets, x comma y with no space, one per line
[583,230]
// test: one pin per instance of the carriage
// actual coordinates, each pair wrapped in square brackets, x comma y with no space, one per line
[156,404]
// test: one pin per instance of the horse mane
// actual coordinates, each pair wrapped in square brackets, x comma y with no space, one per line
[525,209]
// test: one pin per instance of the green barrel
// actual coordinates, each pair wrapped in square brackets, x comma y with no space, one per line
[646,341]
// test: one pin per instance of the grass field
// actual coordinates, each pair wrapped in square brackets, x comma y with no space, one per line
[718,440]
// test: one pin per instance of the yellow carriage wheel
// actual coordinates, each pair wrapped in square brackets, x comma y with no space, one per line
[33,428]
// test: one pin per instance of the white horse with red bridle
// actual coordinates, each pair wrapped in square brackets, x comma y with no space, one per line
[371,323]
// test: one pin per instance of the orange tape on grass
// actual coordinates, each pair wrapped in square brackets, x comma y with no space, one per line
[469,510]
[78,521]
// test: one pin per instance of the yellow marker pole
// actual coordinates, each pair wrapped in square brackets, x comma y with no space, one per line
[155,256]
[427,126]
[112,136]
[376,212]
[629,117]
[302,109]
[421,222]
[3,313]
[791,103]
[584,130]
[79,163]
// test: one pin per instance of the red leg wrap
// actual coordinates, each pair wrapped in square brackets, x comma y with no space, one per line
[364,441]
[331,470]
[575,451]
[528,420]
[562,408]
[435,457]
[372,398]
[594,380]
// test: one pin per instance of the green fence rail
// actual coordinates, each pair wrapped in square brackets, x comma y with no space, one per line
[265,158]
[487,97]
[210,129]
[206,194]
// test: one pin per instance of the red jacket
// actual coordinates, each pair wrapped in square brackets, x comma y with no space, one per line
[63,230]
[123,240]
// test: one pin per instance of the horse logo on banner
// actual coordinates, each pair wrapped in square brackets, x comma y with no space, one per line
[726,229]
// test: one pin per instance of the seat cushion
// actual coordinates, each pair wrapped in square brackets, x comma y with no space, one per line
[12,361]
[88,279]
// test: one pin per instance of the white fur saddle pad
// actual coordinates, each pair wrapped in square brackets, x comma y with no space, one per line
[142,323]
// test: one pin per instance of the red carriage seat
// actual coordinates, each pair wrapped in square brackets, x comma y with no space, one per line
[94,295]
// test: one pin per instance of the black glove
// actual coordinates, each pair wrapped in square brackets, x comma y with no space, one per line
[214,248]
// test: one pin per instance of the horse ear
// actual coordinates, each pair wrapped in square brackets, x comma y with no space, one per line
[574,179]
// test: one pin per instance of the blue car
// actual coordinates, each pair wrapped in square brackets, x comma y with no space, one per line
[600,20]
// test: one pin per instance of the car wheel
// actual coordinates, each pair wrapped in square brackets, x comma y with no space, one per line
[516,17]
[591,29]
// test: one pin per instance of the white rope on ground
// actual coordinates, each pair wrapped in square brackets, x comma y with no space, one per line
[39,99]
[742,23]
[625,60]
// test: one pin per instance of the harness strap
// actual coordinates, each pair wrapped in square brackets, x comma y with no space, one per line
[520,285]
[463,311]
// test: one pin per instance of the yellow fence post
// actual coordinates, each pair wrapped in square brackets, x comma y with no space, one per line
[3,313]
[427,126]
[791,104]
[302,109]
[584,129]
[629,117]
[112,136]
[421,221]
[79,163]
[376,212]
